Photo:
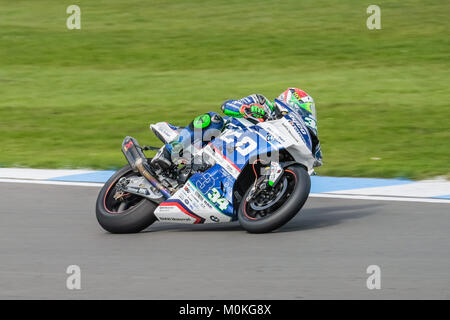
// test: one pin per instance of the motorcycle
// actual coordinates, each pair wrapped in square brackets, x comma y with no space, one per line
[254,171]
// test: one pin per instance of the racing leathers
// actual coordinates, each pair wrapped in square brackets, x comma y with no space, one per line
[207,126]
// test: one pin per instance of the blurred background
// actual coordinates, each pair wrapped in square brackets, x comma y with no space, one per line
[68,97]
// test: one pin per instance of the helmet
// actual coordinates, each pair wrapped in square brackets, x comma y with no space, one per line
[298,100]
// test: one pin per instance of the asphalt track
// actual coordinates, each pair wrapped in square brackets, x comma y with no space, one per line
[322,253]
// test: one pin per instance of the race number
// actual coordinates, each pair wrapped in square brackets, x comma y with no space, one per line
[215,197]
[244,146]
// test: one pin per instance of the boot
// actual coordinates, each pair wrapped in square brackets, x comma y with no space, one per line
[162,159]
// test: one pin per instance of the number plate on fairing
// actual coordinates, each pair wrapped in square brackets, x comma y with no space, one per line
[190,205]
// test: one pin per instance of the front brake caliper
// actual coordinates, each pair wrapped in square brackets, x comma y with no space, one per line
[270,175]
[275,173]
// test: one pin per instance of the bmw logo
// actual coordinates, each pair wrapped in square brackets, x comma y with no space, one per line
[214,218]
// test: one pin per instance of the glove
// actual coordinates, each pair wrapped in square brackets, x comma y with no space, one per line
[253,110]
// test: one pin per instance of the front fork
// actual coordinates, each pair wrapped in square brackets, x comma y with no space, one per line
[271,175]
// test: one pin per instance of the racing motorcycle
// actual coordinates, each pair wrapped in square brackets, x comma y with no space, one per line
[254,171]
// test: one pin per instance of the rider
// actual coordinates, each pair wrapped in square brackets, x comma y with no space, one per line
[256,105]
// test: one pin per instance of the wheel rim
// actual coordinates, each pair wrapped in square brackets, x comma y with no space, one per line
[122,204]
[265,201]
[266,205]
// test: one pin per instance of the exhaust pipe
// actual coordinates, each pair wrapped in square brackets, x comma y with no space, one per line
[138,162]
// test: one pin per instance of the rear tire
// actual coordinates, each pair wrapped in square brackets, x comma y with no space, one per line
[291,206]
[138,216]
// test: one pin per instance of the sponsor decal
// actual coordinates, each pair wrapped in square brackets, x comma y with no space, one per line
[223,161]
[173,219]
[272,133]
[205,182]
[128,145]
[294,134]
[178,207]
[214,219]
[166,209]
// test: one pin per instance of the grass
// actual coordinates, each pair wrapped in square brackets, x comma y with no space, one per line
[68,97]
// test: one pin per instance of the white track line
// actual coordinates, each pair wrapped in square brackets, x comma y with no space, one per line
[39,174]
[417,189]
[377,198]
[313,195]
[56,183]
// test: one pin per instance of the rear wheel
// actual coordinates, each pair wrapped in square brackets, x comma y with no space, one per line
[123,213]
[276,205]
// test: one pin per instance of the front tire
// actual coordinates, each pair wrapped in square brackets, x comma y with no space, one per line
[296,192]
[132,215]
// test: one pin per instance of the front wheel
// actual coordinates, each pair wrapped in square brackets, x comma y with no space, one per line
[123,213]
[273,208]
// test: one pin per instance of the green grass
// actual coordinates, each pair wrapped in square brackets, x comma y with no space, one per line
[68,97]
